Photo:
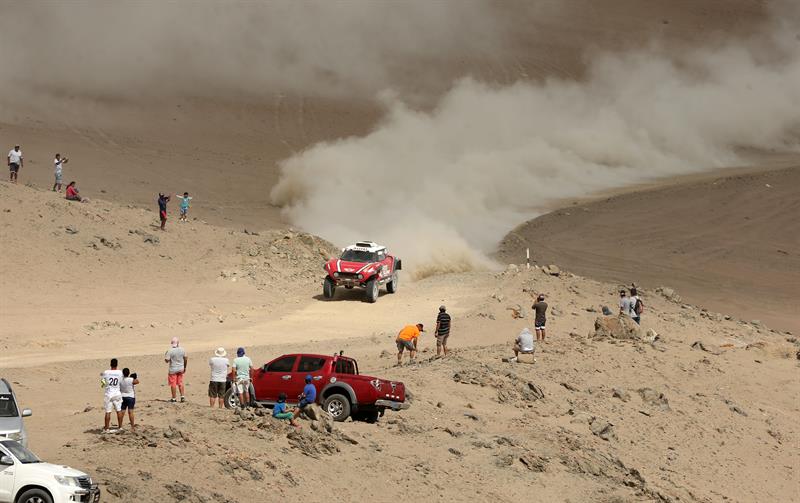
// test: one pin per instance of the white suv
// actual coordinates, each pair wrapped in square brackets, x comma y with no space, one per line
[24,478]
[11,424]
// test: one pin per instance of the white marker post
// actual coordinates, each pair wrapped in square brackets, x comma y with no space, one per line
[528,257]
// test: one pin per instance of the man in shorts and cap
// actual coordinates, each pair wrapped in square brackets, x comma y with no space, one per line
[242,365]
[407,340]
[220,367]
[442,331]
[177,360]
[540,320]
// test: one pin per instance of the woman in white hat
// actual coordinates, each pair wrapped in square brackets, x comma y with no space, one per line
[220,367]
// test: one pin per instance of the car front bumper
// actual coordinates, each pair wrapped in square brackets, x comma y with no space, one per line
[390,404]
[81,495]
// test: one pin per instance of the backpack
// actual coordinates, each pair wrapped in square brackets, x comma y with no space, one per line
[638,308]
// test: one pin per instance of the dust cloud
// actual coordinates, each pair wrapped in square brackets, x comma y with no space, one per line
[442,187]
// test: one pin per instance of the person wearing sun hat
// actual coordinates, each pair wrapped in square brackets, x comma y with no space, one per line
[220,367]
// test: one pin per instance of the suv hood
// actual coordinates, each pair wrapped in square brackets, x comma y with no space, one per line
[50,469]
[338,265]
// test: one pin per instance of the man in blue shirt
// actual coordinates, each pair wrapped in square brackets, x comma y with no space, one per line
[309,396]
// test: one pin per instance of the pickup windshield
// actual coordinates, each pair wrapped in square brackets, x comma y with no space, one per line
[22,454]
[7,406]
[359,256]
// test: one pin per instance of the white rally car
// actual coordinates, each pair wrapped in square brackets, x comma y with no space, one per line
[24,478]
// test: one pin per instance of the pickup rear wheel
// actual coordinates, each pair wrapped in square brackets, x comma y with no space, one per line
[35,496]
[391,286]
[372,291]
[338,406]
[328,288]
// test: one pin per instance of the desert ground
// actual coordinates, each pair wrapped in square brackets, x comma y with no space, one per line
[701,404]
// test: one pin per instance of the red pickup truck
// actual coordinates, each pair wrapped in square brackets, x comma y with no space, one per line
[341,390]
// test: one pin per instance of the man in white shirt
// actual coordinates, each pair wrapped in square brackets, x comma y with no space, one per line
[111,380]
[524,342]
[14,162]
[220,367]
[59,163]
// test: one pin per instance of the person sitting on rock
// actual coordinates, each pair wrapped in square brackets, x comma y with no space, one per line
[308,396]
[279,411]
[524,343]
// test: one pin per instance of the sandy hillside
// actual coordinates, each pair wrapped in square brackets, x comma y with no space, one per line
[724,241]
[618,421]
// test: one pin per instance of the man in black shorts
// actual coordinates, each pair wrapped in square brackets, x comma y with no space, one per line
[540,307]
[442,331]
[14,163]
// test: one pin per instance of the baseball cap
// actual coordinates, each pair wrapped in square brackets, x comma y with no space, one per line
[308,377]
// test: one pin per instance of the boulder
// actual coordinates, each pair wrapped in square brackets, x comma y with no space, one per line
[617,327]
[654,398]
[315,413]
[526,358]
[602,429]
[621,394]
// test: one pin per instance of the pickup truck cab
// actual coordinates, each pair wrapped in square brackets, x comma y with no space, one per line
[341,389]
[24,478]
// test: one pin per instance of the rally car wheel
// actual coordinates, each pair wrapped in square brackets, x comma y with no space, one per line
[328,288]
[338,406]
[391,286]
[372,290]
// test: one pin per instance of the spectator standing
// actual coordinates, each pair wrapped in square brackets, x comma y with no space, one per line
[540,320]
[624,302]
[636,306]
[184,202]
[112,399]
[128,390]
[407,340]
[163,199]
[15,162]
[59,171]
[220,367]
[242,365]
[177,360]
[442,331]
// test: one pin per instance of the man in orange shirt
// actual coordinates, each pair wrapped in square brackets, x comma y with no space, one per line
[407,339]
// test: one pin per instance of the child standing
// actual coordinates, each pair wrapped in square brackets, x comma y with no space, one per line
[59,165]
[184,205]
[163,199]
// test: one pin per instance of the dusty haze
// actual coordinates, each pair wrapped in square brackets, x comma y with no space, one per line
[444,186]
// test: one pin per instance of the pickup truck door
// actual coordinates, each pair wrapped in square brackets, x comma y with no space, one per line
[273,378]
[314,366]
[6,479]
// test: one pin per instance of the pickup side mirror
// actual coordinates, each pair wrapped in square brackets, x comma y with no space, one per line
[398,264]
[6,461]
[27,412]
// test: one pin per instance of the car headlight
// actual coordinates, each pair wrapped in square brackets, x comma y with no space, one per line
[336,275]
[360,276]
[16,435]
[67,481]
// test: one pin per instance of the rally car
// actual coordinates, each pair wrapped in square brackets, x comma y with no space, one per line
[364,265]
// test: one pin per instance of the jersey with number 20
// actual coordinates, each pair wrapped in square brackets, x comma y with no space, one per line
[113,378]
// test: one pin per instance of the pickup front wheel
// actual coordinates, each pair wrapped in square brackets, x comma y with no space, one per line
[35,496]
[338,406]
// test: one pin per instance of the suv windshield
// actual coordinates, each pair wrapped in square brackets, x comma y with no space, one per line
[359,256]
[22,454]
[7,406]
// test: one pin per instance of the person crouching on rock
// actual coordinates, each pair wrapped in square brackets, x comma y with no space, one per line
[407,339]
[279,411]
[308,396]
[524,343]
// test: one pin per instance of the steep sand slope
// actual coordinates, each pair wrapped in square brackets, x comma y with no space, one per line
[730,243]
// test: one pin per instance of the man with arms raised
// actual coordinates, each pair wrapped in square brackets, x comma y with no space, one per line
[112,399]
